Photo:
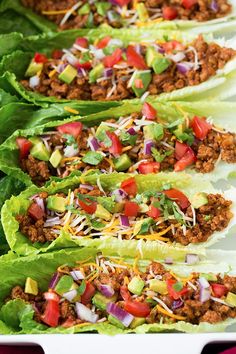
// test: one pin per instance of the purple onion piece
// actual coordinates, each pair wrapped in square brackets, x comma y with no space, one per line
[54,280]
[138,48]
[40,203]
[168,260]
[123,316]
[184,67]
[94,144]
[148,145]
[86,186]
[119,195]
[131,131]
[191,258]
[214,6]
[85,314]
[77,275]
[124,220]
[205,295]
[106,290]
[108,72]
[177,304]
[203,283]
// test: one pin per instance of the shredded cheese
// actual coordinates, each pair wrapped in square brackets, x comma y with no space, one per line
[71,110]
[176,317]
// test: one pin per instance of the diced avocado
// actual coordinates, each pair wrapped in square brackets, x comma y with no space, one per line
[33,69]
[56,203]
[158,286]
[102,7]
[160,63]
[136,285]
[151,54]
[95,73]
[64,284]
[142,12]
[122,163]
[115,322]
[31,286]
[40,152]
[199,199]
[137,321]
[55,158]
[84,10]
[231,299]
[34,140]
[142,226]
[68,74]
[102,213]
[101,301]
[209,276]
[153,131]
[146,77]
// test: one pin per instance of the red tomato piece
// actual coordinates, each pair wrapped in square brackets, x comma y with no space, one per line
[111,60]
[178,197]
[87,65]
[122,2]
[131,209]
[116,147]
[88,293]
[187,4]
[169,13]
[188,159]
[40,58]
[57,54]
[149,167]
[137,309]
[130,186]
[52,313]
[68,323]
[154,212]
[172,45]
[149,111]
[200,127]
[172,292]
[180,149]
[72,128]
[88,206]
[82,42]
[219,290]
[103,42]
[135,59]
[35,211]
[125,294]
[24,147]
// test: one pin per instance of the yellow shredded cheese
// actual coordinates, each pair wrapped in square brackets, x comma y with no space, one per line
[56,12]
[184,280]
[176,317]
[71,110]
[127,148]
[144,24]
[52,73]
[156,236]
[61,270]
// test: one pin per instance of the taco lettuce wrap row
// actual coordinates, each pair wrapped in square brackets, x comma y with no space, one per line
[146,139]
[114,66]
[93,292]
[175,209]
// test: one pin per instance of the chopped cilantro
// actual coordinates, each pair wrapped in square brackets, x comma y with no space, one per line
[70,140]
[175,124]
[160,157]
[97,225]
[145,226]
[128,139]
[81,288]
[207,217]
[101,135]
[92,158]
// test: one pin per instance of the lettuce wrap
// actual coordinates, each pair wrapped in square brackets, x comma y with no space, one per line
[96,82]
[139,122]
[121,212]
[81,277]
[201,18]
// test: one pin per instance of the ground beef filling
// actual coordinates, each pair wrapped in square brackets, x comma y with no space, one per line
[191,308]
[211,57]
[201,11]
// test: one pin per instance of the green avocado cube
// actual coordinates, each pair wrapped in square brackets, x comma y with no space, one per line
[102,213]
[40,152]
[95,73]
[31,286]
[136,286]
[68,74]
[101,301]
[146,77]
[33,69]
[114,321]
[137,321]
[158,286]
[199,199]
[56,203]
[84,10]
[102,7]
[122,163]
[153,131]
[231,299]
[142,12]
[160,63]
[64,284]
[208,276]
[34,140]
[151,54]
[55,158]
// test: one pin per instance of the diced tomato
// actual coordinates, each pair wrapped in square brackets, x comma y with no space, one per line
[169,13]
[88,293]
[68,323]
[122,2]
[125,294]
[154,212]
[103,42]
[187,4]
[116,147]
[87,65]
[172,45]
[131,209]
[174,293]
[138,83]
[40,58]
[57,54]
[178,197]
[135,59]
[137,309]
[82,42]
[52,312]
[188,159]
[200,127]
[130,186]
[72,128]
[149,111]
[219,290]
[24,146]
[88,206]
[35,211]
[180,149]
[111,60]
[149,167]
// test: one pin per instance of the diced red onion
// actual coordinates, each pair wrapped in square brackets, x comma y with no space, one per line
[205,294]
[184,67]
[177,57]
[203,283]
[124,220]
[131,131]
[177,304]
[148,144]
[81,72]
[214,6]
[77,275]
[138,48]
[168,260]
[50,222]
[85,314]
[159,49]
[106,290]
[119,195]
[51,296]
[61,67]
[70,295]
[123,316]
[191,258]
[71,59]
[99,54]
[94,145]
[34,81]
[40,203]
[54,280]
[70,151]
[108,72]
